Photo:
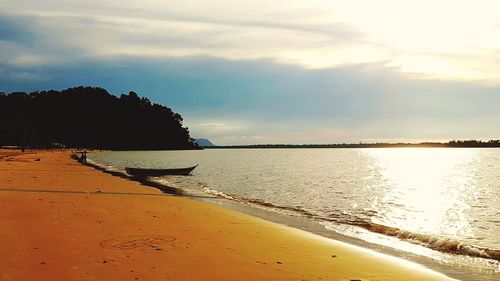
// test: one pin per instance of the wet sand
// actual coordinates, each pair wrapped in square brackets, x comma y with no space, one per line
[60,220]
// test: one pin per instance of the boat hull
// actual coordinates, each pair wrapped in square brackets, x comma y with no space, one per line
[140,172]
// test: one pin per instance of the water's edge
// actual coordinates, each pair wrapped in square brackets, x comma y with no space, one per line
[306,224]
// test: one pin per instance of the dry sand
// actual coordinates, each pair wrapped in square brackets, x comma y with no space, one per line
[60,220]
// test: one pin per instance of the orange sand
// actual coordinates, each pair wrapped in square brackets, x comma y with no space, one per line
[101,227]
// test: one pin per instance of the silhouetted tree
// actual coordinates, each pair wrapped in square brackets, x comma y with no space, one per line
[89,117]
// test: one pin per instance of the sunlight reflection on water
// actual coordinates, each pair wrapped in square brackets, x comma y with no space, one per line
[427,187]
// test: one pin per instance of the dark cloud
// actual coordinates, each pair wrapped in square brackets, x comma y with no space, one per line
[367,101]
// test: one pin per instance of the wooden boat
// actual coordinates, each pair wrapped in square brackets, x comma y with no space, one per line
[142,172]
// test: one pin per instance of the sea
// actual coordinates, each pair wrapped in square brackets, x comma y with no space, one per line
[438,207]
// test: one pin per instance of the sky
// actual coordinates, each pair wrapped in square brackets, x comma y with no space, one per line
[281,71]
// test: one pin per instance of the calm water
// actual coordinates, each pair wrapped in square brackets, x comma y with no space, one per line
[426,201]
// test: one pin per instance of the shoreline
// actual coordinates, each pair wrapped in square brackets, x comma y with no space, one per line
[461,266]
[71,222]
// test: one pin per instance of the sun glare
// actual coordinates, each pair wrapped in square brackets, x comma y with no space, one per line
[431,183]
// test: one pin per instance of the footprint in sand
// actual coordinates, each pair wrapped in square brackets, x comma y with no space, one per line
[141,241]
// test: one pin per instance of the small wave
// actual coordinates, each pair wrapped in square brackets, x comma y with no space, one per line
[105,167]
[263,203]
[450,245]
[217,193]
[446,245]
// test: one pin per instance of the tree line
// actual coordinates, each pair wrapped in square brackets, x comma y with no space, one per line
[453,143]
[89,117]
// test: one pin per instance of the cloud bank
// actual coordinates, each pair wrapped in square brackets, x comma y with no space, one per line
[272,71]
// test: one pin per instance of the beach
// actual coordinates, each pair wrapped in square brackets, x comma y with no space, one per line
[61,220]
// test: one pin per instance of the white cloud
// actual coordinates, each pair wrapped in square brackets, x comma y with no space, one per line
[210,124]
[27,60]
[432,39]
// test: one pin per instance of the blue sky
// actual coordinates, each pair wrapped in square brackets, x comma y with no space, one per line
[244,72]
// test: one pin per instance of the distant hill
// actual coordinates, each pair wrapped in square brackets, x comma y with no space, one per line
[204,142]
[91,118]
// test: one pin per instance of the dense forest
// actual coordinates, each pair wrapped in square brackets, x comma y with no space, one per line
[88,117]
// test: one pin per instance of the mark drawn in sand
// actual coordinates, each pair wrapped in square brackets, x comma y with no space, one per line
[142,241]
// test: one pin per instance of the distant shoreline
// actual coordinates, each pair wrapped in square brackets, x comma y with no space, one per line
[451,144]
